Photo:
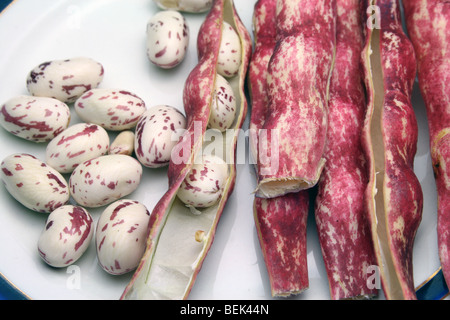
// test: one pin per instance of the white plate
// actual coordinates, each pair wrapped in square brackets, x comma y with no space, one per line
[113,33]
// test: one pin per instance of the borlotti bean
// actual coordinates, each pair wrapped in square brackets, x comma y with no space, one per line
[76,144]
[281,222]
[205,183]
[393,197]
[123,143]
[230,53]
[156,134]
[66,236]
[167,39]
[121,235]
[429,30]
[173,255]
[65,80]
[104,179]
[223,109]
[38,119]
[34,184]
[114,110]
[193,6]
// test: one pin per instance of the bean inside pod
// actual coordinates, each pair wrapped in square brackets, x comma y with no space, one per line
[174,254]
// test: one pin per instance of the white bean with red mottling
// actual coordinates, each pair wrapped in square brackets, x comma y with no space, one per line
[112,109]
[104,179]
[167,39]
[203,186]
[121,236]
[194,6]
[76,144]
[65,80]
[33,183]
[223,107]
[230,52]
[157,132]
[37,119]
[66,236]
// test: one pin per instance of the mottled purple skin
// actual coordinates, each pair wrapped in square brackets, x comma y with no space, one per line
[340,211]
[66,236]
[37,119]
[297,85]
[428,28]
[65,80]
[401,194]
[33,183]
[198,92]
[280,221]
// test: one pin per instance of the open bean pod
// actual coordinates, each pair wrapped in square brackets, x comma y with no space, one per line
[280,221]
[428,24]
[394,195]
[340,211]
[291,157]
[179,240]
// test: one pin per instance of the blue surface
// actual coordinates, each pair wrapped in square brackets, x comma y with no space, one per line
[434,289]
[4,4]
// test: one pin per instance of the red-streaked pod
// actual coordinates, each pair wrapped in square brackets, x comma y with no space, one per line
[105,179]
[428,24]
[394,195]
[123,143]
[193,6]
[65,80]
[281,221]
[179,241]
[223,108]
[66,236]
[230,53]
[37,119]
[113,109]
[33,183]
[281,226]
[167,39]
[340,211]
[291,157]
[76,144]
[121,235]
[157,132]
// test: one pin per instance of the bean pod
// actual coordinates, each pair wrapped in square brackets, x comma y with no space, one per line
[297,89]
[66,236]
[340,211]
[65,80]
[34,184]
[174,254]
[37,119]
[393,195]
[281,221]
[428,28]
[193,6]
